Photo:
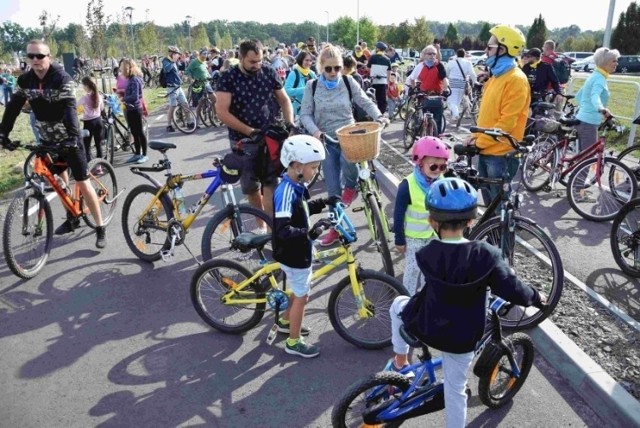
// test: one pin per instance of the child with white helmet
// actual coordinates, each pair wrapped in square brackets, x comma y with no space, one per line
[412,229]
[301,155]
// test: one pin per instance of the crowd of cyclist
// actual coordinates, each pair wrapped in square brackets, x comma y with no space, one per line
[255,88]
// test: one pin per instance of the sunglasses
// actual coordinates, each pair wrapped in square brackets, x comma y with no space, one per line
[435,167]
[335,68]
[39,56]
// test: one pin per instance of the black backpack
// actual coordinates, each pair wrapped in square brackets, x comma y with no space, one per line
[562,69]
[358,112]
[162,78]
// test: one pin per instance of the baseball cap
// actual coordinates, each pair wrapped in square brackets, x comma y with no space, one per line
[204,51]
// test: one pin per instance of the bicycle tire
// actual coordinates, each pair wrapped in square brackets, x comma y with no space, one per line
[374,332]
[543,157]
[111,144]
[404,108]
[206,300]
[140,238]
[466,106]
[631,157]
[184,119]
[224,227]
[27,236]
[430,129]
[203,116]
[379,236]
[408,135]
[213,117]
[103,180]
[388,386]
[625,238]
[495,396]
[620,180]
[527,231]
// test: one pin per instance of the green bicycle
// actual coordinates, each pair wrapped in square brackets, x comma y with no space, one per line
[231,299]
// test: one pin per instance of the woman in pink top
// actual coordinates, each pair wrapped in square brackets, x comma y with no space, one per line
[92,104]
[121,80]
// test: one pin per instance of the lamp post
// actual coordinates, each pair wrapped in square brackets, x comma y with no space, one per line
[188,17]
[357,21]
[129,12]
[327,12]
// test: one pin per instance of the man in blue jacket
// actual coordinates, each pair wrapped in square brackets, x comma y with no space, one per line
[173,79]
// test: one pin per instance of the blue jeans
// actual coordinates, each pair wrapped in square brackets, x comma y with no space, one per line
[32,121]
[333,164]
[493,167]
[8,92]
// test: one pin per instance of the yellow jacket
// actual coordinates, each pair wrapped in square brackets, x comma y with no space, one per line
[505,105]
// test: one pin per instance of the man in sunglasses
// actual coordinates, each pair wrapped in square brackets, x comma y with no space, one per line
[249,98]
[505,105]
[51,95]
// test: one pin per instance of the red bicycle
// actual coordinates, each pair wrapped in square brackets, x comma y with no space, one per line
[597,186]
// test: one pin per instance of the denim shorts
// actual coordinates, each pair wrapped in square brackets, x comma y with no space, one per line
[176,96]
[298,280]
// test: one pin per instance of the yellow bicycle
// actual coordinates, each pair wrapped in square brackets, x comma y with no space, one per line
[231,299]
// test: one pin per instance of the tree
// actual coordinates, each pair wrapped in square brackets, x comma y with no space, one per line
[97,27]
[226,42]
[148,41]
[48,25]
[451,36]
[200,37]
[485,35]
[537,34]
[625,35]
[419,34]
[402,34]
[14,37]
[344,31]
[368,32]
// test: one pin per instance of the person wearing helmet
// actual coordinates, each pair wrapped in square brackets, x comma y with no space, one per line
[174,91]
[293,237]
[411,228]
[449,312]
[505,105]
[379,67]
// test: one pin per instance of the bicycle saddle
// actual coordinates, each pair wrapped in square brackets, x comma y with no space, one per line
[462,150]
[248,241]
[544,106]
[569,121]
[411,340]
[161,146]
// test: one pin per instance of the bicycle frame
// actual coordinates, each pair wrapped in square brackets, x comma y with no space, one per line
[572,161]
[366,179]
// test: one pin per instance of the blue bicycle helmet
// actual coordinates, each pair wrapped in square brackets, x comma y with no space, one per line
[452,199]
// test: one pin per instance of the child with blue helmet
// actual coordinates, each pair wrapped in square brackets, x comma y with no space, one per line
[449,312]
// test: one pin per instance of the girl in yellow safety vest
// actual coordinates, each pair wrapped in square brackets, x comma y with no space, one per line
[411,218]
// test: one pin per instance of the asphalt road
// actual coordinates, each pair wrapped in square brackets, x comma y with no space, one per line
[101,338]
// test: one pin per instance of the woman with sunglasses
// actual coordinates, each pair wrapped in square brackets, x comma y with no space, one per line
[325,109]
[411,228]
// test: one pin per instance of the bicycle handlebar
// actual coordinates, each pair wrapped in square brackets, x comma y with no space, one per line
[496,133]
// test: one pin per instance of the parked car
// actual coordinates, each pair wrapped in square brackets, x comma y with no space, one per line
[585,64]
[628,64]
[476,56]
[578,55]
[446,54]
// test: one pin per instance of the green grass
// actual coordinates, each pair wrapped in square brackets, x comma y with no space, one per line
[11,176]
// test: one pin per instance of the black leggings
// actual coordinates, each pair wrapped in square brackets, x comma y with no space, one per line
[96,130]
[134,119]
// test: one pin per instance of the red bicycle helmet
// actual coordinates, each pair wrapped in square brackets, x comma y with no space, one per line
[429,146]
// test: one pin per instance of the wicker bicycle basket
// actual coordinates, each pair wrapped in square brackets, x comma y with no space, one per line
[360,142]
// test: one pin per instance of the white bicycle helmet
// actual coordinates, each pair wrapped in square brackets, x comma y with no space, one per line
[301,148]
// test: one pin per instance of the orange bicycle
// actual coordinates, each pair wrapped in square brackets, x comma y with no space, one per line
[28,226]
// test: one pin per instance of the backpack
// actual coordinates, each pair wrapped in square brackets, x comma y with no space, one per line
[358,113]
[562,69]
[162,78]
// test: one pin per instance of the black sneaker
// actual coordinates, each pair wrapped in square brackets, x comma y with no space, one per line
[170,128]
[284,328]
[68,226]
[101,237]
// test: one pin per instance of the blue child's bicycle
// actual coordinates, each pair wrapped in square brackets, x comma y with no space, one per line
[389,398]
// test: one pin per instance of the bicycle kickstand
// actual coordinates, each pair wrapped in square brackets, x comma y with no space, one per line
[273,331]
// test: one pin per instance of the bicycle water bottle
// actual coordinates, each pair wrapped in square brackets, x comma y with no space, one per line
[182,208]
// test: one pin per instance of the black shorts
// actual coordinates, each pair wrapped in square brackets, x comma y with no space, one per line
[255,171]
[75,159]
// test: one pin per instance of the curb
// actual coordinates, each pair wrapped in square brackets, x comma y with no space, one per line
[606,397]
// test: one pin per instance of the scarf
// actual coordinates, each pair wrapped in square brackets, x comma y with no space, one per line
[423,181]
[603,71]
[304,71]
[499,66]
[429,63]
[330,84]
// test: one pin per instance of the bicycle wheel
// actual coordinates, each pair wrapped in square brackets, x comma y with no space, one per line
[404,108]
[368,394]
[213,117]
[625,238]
[184,119]
[27,234]
[29,164]
[540,163]
[211,281]
[537,262]
[203,115]
[145,224]
[631,157]
[226,225]
[597,189]
[465,106]
[103,180]
[145,129]
[408,133]
[497,385]
[380,234]
[429,128]
[379,290]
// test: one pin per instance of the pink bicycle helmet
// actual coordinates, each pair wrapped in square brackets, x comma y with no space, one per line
[429,146]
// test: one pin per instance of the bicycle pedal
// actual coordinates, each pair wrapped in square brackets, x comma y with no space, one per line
[166,255]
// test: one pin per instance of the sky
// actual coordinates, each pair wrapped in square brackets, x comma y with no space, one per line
[587,14]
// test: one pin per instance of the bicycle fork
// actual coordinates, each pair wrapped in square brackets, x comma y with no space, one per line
[364,307]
